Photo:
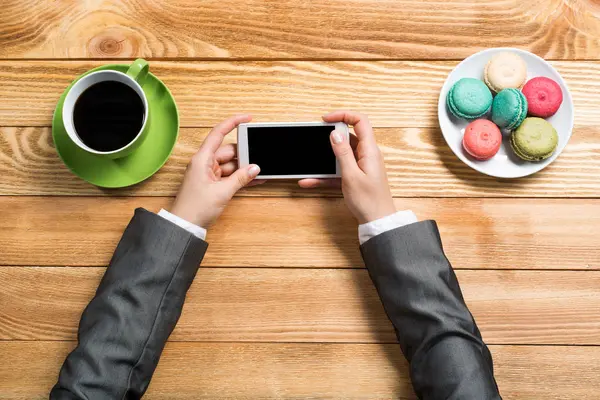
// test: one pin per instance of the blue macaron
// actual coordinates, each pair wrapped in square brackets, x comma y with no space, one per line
[509,109]
[469,98]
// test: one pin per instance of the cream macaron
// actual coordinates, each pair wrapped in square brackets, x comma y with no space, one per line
[505,71]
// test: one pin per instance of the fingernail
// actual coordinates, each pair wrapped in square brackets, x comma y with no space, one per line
[337,137]
[253,170]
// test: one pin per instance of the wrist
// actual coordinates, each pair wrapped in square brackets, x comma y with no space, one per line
[195,230]
[189,215]
[376,214]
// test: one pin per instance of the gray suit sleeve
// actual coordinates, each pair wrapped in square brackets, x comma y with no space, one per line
[124,328]
[422,298]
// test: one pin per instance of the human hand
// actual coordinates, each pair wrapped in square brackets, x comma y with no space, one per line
[364,179]
[212,177]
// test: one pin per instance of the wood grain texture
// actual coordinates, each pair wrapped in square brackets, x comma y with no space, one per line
[320,233]
[288,29]
[317,371]
[317,329]
[392,93]
[310,305]
[418,160]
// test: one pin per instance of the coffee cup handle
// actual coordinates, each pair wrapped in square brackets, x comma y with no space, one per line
[138,70]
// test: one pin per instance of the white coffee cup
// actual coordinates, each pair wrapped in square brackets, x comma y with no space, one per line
[135,75]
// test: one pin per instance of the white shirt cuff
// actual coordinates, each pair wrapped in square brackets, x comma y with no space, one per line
[381,225]
[195,230]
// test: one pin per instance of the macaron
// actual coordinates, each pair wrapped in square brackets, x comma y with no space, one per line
[469,99]
[544,97]
[505,71]
[535,140]
[482,139]
[509,109]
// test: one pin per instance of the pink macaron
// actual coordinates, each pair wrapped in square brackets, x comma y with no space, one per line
[482,139]
[544,97]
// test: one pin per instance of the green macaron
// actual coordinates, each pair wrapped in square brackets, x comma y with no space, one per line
[509,109]
[535,140]
[469,99]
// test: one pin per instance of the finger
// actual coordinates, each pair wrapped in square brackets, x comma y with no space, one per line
[226,153]
[361,123]
[312,183]
[256,182]
[218,133]
[228,168]
[241,177]
[344,153]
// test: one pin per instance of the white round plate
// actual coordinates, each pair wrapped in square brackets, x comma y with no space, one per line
[505,164]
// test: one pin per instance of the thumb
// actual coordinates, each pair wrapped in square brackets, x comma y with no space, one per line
[242,177]
[343,152]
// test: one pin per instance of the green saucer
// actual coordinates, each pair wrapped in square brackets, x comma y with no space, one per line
[141,164]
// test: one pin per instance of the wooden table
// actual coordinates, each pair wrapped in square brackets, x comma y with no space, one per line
[282,306]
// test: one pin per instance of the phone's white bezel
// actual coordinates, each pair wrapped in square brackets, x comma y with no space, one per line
[242,145]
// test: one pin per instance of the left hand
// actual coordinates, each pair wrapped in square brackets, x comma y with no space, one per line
[212,177]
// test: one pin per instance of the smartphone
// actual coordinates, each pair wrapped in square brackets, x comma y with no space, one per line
[290,150]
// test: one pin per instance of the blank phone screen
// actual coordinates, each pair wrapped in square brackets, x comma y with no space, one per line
[292,150]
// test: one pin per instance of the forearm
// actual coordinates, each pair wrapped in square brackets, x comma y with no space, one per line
[123,330]
[422,298]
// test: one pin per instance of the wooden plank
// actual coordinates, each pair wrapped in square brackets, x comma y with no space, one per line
[298,232]
[392,93]
[287,29]
[309,305]
[317,371]
[419,163]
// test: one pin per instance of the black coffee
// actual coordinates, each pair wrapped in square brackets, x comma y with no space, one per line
[108,115]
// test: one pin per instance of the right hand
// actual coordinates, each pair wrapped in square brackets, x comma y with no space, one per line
[364,179]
